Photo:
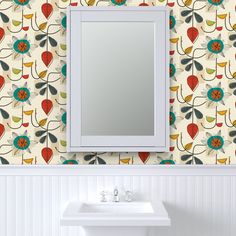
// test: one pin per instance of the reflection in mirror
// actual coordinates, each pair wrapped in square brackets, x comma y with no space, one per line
[117,78]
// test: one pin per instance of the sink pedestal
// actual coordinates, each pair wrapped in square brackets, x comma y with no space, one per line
[115,231]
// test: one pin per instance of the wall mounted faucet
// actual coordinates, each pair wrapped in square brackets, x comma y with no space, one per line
[116,195]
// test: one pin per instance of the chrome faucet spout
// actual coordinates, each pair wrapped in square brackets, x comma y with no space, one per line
[116,195]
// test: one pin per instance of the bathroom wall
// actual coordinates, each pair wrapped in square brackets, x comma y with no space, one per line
[33,83]
[199,201]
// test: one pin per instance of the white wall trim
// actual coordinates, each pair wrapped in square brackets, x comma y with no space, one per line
[117,170]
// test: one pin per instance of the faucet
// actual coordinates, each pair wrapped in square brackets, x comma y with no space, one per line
[116,195]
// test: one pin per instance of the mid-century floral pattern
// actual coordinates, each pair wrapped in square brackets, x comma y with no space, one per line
[33,83]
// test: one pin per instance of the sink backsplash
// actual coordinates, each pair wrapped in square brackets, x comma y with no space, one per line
[33,84]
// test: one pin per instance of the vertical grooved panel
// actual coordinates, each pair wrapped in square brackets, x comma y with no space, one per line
[197,205]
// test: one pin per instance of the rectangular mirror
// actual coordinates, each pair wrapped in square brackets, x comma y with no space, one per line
[118,79]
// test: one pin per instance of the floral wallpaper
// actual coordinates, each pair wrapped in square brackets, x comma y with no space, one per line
[33,83]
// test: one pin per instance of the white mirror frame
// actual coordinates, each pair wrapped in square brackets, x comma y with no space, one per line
[159,142]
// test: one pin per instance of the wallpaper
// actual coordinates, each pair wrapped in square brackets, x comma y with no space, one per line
[33,83]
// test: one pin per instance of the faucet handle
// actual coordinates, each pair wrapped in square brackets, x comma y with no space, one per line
[103,196]
[128,196]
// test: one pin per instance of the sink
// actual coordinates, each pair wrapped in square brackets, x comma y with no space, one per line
[111,218]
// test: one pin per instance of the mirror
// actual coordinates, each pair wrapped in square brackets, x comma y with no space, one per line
[118,79]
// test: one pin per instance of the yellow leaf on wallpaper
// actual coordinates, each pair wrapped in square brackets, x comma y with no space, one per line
[222,64]
[43,122]
[28,160]
[64,0]
[222,113]
[29,112]
[188,50]
[63,94]
[188,2]
[210,119]
[63,143]
[234,74]
[28,64]
[174,40]
[125,160]
[210,71]
[222,160]
[210,22]
[234,27]
[174,88]
[161,0]
[42,74]
[91,2]
[174,136]
[188,98]
[188,146]
[16,71]
[16,22]
[28,16]
[16,119]
[234,123]
[63,46]
[43,26]
[222,16]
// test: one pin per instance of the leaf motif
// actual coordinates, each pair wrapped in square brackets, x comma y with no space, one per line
[210,119]
[198,17]
[198,66]
[188,98]
[210,22]
[222,113]
[16,22]
[174,136]
[42,43]
[40,133]
[52,41]
[188,19]
[185,109]
[185,157]
[188,50]
[42,74]
[174,40]
[52,137]
[43,25]
[63,94]
[198,114]
[198,161]
[52,89]
[39,85]
[63,143]
[16,71]
[101,161]
[16,119]
[42,140]
[88,157]
[188,67]
[4,65]
[4,17]
[29,112]
[188,3]
[210,71]
[185,12]
[222,16]
[91,2]
[28,16]
[28,64]
[188,146]
[40,37]
[5,114]
[43,122]
[174,88]
[63,47]
[222,64]
[185,61]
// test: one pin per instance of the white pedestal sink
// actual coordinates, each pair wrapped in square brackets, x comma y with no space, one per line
[115,219]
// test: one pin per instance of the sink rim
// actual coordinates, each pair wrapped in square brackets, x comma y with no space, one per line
[72,217]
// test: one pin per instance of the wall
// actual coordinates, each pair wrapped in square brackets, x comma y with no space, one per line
[200,201]
[33,83]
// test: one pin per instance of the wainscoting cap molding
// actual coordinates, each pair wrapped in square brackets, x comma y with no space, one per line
[117,170]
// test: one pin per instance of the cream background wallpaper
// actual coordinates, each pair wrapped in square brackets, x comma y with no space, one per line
[33,83]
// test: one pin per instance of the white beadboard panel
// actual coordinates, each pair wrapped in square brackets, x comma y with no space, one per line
[197,204]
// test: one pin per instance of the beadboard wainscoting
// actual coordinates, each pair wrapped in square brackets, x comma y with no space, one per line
[201,201]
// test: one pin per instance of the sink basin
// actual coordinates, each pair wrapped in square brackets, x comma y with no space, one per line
[115,214]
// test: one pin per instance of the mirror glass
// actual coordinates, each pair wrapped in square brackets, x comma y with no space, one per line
[117,78]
